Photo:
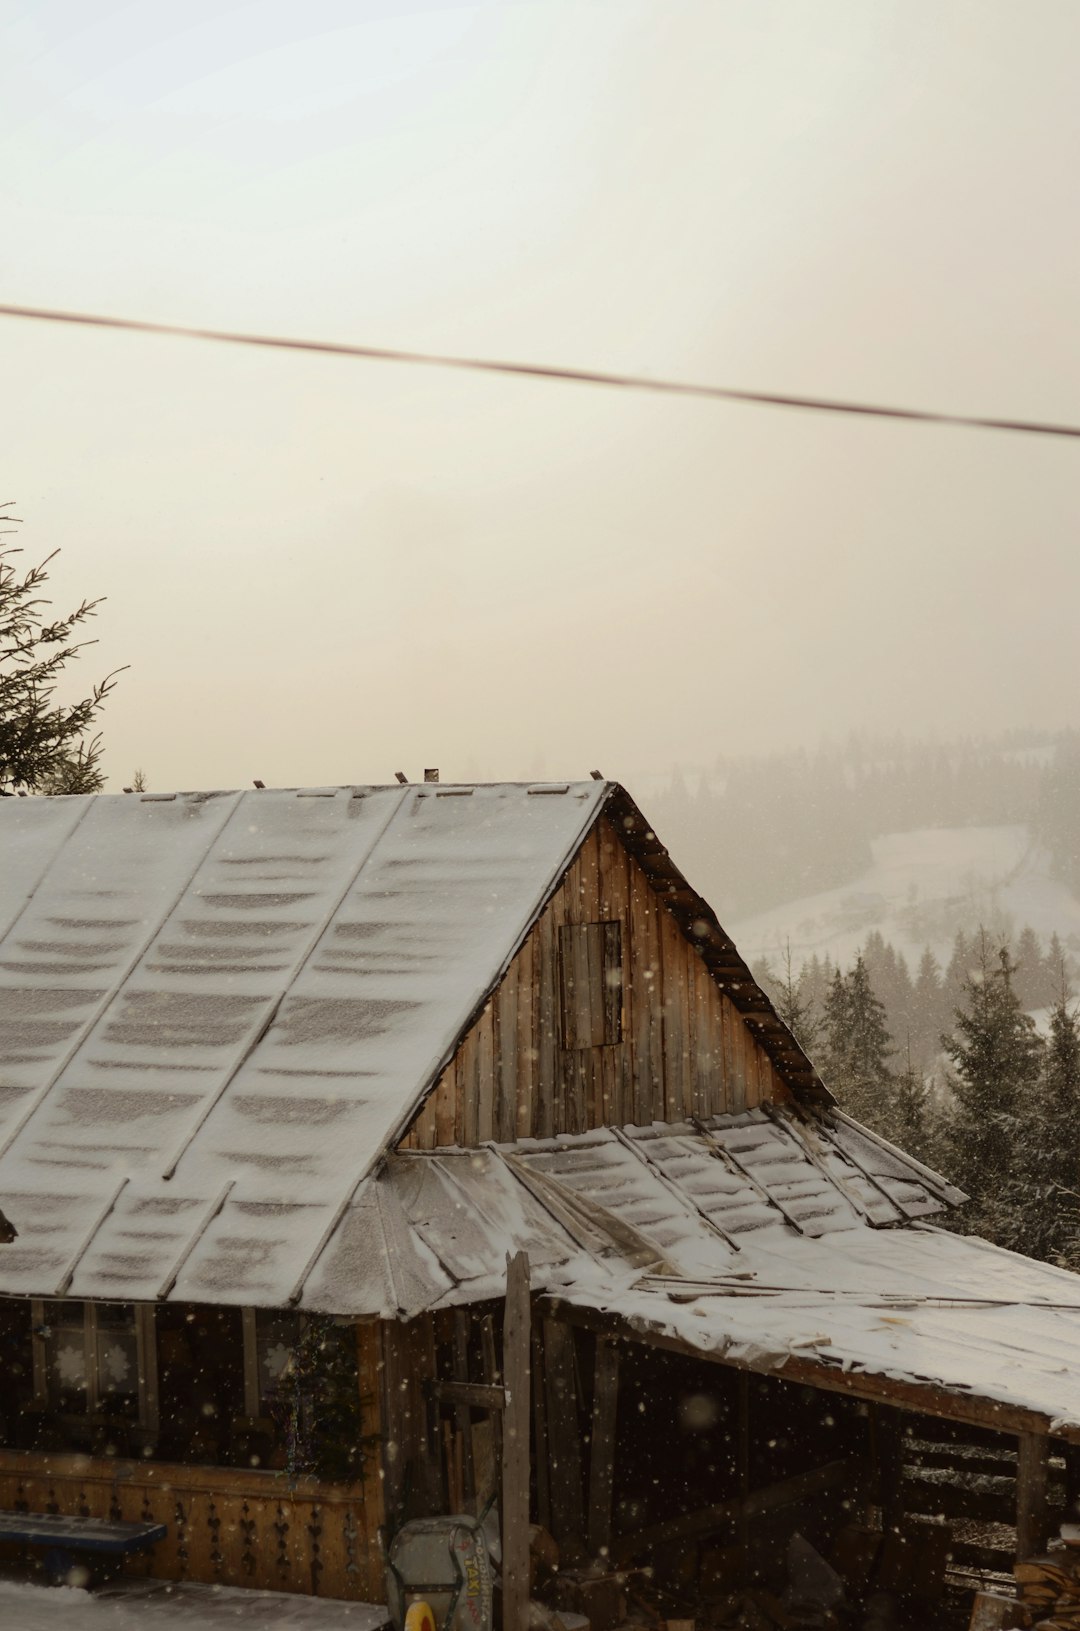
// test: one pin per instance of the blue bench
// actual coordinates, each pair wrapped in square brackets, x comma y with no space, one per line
[61,1538]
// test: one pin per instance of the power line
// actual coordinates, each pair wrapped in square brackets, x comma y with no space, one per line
[529,370]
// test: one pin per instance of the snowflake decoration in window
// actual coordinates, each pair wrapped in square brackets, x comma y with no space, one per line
[71,1365]
[277,1362]
[115,1365]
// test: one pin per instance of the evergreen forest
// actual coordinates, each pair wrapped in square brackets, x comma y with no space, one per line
[970,1060]
[951,1065]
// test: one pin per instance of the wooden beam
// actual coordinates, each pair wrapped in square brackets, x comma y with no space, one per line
[470,1395]
[462,1415]
[540,1440]
[929,1398]
[1032,1478]
[514,1499]
[602,1446]
[564,1438]
[887,1457]
[847,1475]
[742,1453]
[490,1368]
[410,1443]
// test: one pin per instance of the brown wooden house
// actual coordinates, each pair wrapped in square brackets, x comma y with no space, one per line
[287,1077]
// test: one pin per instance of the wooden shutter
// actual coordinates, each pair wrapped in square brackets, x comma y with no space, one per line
[590,984]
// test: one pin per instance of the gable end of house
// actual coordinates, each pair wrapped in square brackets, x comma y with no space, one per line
[624,1003]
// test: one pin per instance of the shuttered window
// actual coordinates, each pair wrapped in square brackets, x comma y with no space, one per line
[590,984]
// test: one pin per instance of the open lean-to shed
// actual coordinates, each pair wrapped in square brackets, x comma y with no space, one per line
[287,1077]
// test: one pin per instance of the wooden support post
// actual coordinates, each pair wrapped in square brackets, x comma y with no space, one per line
[411,1445]
[887,1455]
[514,1502]
[543,1490]
[394,1413]
[602,1446]
[462,1413]
[1071,1453]
[1032,1477]
[369,1374]
[489,1366]
[564,1441]
[742,1456]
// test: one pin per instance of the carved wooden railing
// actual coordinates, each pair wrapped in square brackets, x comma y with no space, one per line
[228,1525]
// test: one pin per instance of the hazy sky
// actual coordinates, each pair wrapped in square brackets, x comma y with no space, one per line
[323,570]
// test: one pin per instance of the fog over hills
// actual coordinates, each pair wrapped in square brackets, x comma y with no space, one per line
[922,857]
[891,847]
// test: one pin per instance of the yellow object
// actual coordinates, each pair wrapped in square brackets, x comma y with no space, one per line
[418,1617]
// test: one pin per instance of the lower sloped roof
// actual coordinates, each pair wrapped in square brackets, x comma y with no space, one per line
[937,1320]
[779,1241]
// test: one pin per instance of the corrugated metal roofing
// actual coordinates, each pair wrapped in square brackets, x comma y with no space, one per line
[764,1263]
[876,1303]
[665,1200]
[914,1305]
[216,1010]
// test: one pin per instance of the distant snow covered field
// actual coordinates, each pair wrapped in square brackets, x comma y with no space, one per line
[922,886]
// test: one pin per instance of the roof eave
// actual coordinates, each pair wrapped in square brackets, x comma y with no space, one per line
[930,1398]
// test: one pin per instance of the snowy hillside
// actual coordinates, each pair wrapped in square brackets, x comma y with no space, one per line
[920,888]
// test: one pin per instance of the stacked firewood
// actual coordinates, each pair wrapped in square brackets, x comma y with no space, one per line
[1049,1589]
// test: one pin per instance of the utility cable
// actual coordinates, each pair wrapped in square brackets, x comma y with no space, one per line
[529,370]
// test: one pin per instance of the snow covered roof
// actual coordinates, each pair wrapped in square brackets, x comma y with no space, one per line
[916,1315]
[685,1199]
[779,1240]
[218,1009]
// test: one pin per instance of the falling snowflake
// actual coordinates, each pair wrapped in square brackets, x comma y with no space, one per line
[71,1364]
[115,1364]
[276,1361]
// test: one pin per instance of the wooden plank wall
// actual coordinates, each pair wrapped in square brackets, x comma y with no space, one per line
[413,1482]
[230,1526]
[685,1049]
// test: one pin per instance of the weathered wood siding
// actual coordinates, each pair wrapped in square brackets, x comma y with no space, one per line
[230,1526]
[685,1049]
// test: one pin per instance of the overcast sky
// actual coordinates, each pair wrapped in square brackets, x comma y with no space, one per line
[324,570]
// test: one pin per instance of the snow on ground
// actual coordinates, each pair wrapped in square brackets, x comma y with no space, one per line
[167,1606]
[923,885]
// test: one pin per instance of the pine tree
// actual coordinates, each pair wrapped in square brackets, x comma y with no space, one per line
[995,1055]
[1045,1200]
[44,744]
[907,1121]
[870,1047]
[958,970]
[1029,968]
[795,1005]
[899,999]
[858,1046]
[1055,970]
[836,1027]
[816,982]
[926,1004]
